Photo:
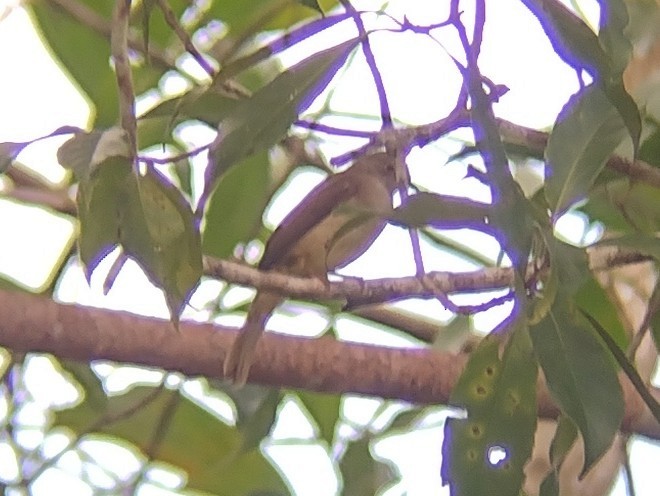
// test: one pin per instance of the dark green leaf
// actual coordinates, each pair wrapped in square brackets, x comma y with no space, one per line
[256,426]
[499,395]
[193,439]
[611,33]
[248,129]
[312,4]
[628,368]
[440,211]
[94,393]
[233,213]
[200,103]
[362,474]
[625,206]
[324,409]
[592,298]
[587,131]
[571,356]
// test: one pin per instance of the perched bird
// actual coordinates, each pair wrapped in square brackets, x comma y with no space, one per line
[332,226]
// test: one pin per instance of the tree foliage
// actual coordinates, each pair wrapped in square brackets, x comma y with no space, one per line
[568,333]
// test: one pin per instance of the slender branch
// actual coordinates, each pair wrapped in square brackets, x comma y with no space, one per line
[174,23]
[119,52]
[430,285]
[37,324]
[385,113]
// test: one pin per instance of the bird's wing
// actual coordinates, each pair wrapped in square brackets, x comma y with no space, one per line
[315,207]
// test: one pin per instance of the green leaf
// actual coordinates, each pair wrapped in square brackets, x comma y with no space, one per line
[312,4]
[188,436]
[440,211]
[203,103]
[578,46]
[362,474]
[100,200]
[258,424]
[614,20]
[628,368]
[499,395]
[84,53]
[592,298]
[158,230]
[233,212]
[325,410]
[249,129]
[91,385]
[562,442]
[144,213]
[587,131]
[625,206]
[581,377]
[245,17]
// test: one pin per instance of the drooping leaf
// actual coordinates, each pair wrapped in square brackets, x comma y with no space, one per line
[577,44]
[562,442]
[571,355]
[144,213]
[587,131]
[490,447]
[191,438]
[159,231]
[249,129]
[233,212]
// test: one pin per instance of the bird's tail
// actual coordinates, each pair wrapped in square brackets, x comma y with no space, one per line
[241,355]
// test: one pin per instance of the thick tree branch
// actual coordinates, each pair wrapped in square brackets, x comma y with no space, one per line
[31,323]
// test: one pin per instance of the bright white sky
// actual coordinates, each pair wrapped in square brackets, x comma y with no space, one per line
[539,85]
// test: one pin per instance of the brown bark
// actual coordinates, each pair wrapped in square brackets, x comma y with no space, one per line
[31,323]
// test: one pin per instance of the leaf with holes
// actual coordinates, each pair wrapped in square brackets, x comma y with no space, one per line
[491,446]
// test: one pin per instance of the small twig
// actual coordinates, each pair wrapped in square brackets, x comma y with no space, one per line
[385,112]
[119,52]
[175,158]
[174,23]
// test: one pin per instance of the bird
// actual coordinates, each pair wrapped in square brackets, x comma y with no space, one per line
[332,226]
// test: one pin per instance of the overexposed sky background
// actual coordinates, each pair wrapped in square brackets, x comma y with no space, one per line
[36,98]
